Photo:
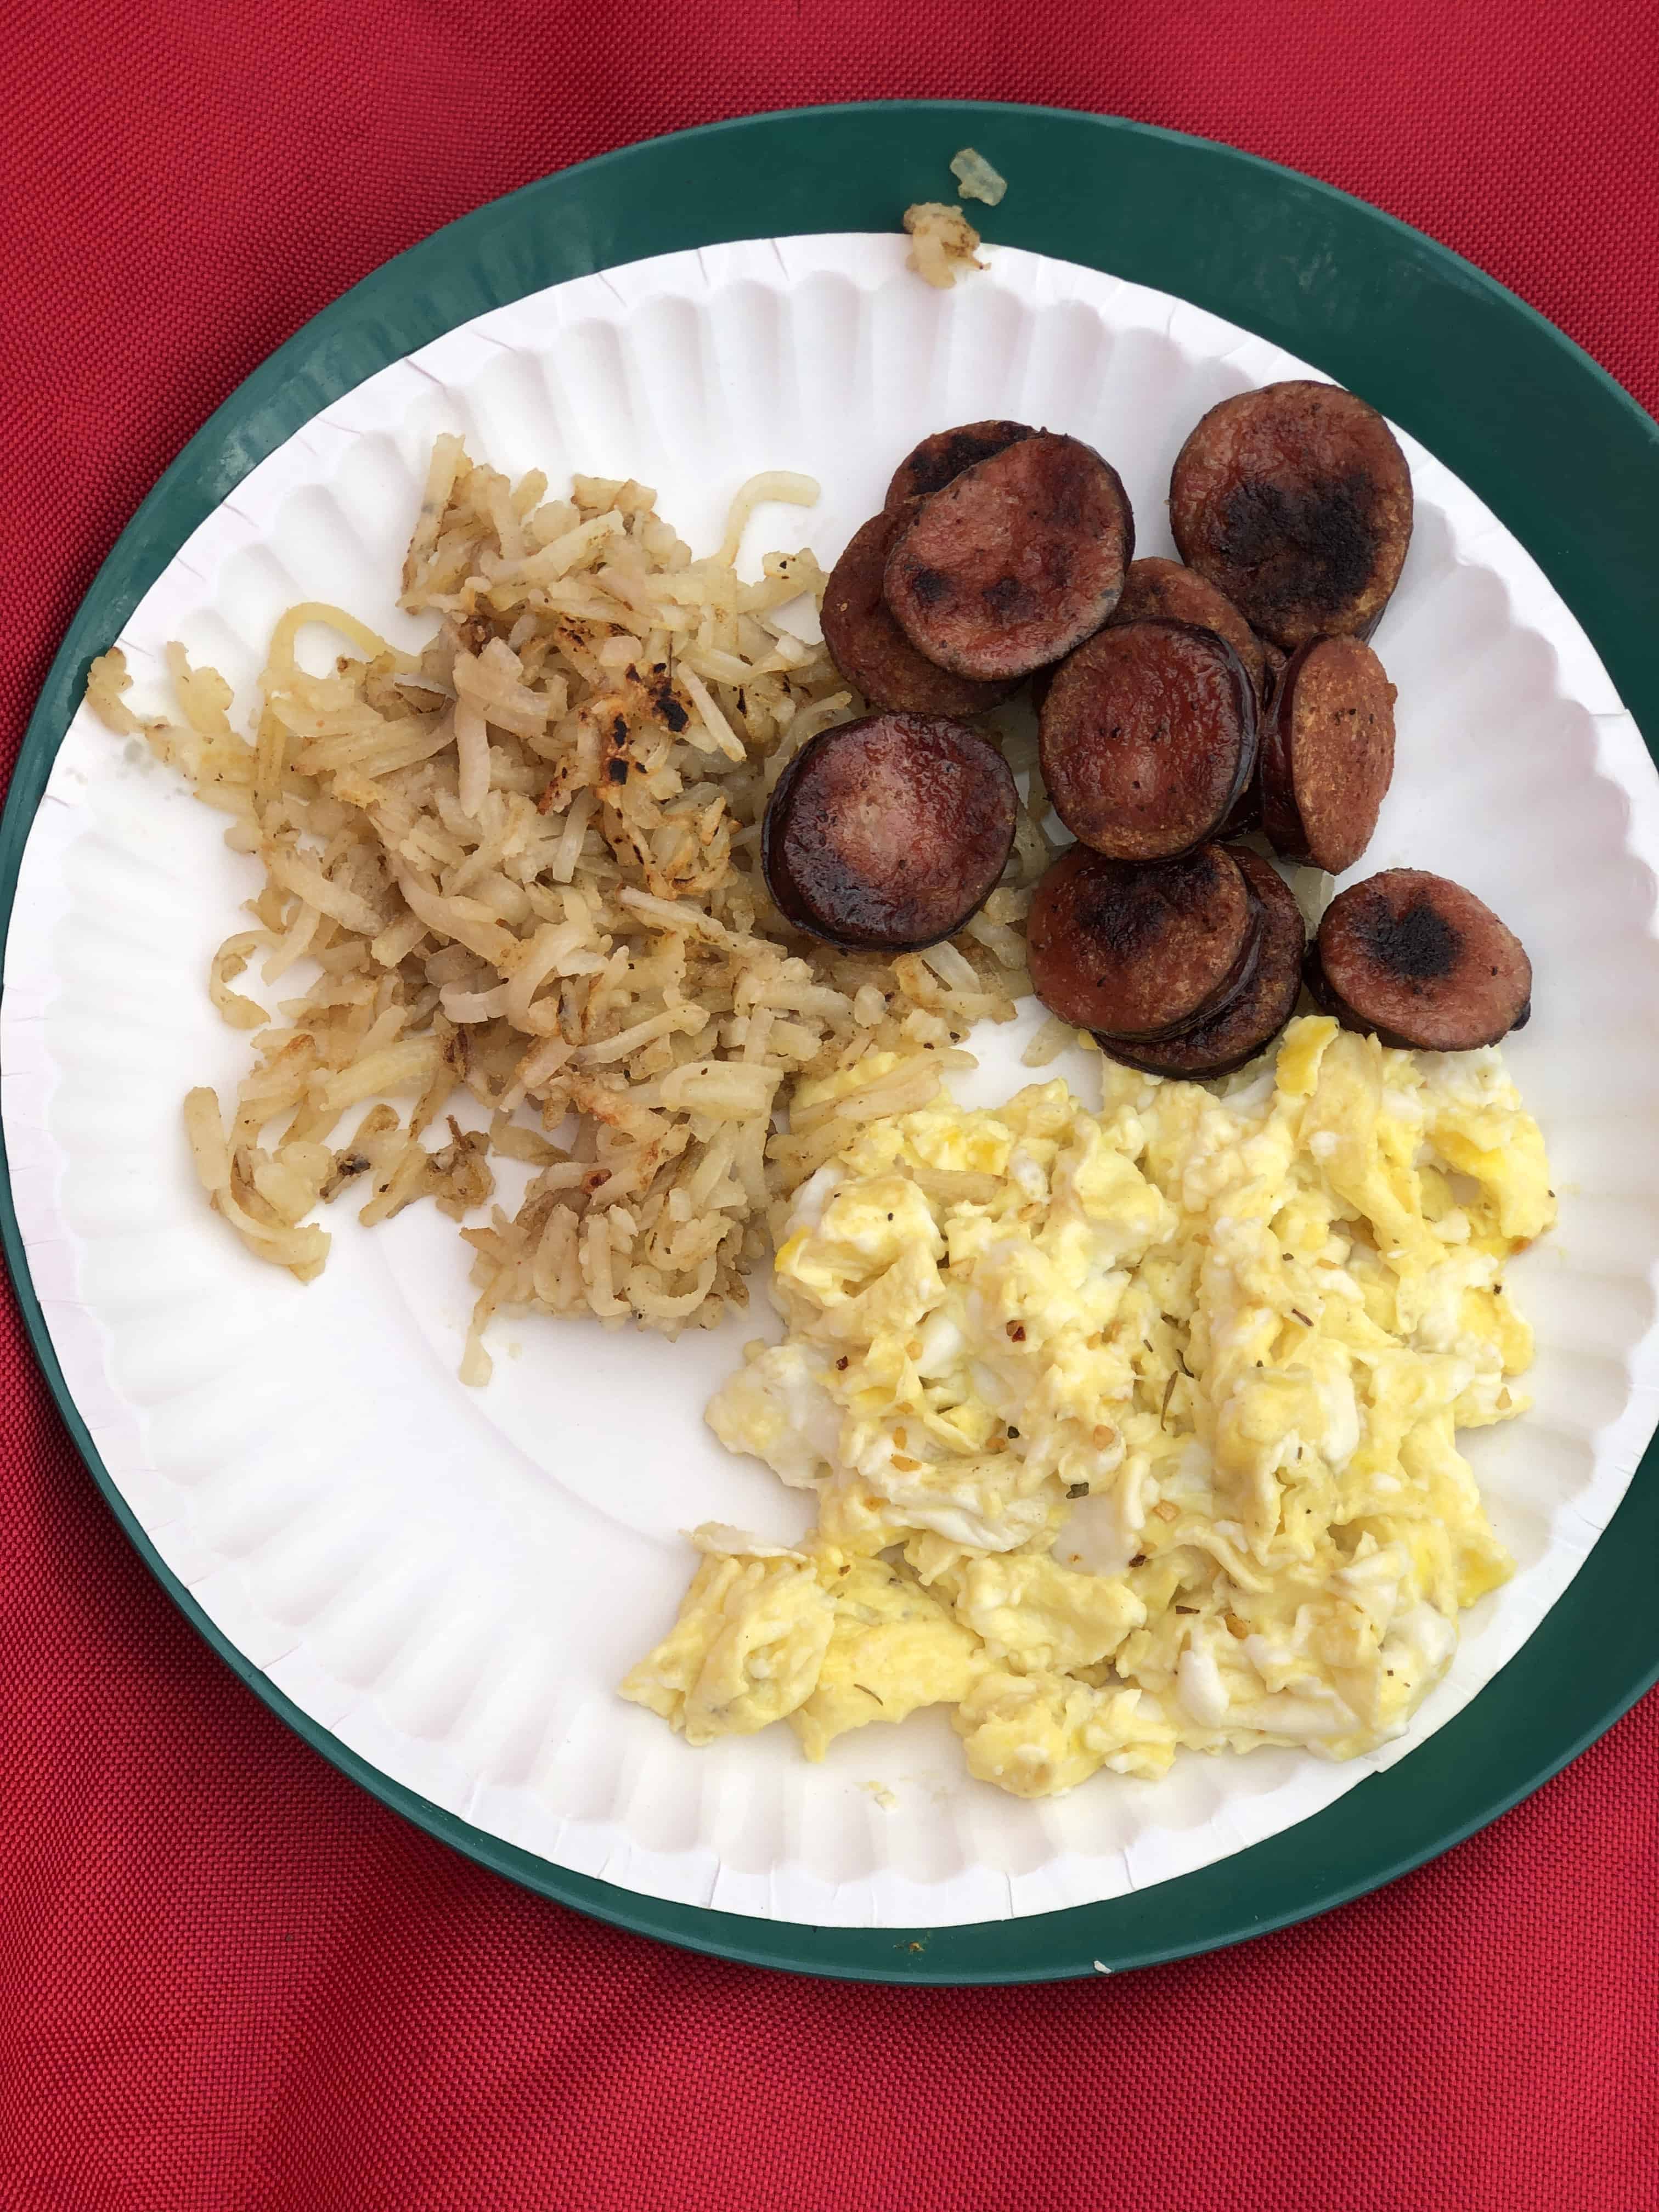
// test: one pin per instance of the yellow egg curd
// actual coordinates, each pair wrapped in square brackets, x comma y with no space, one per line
[1129,1431]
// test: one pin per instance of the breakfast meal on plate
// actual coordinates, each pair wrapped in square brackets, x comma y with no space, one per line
[1128,1431]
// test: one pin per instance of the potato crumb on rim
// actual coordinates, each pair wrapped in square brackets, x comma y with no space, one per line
[976,179]
[942,243]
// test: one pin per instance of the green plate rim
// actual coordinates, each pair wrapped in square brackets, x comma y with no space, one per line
[1544,434]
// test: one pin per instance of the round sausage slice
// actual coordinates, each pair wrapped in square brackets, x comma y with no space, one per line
[888,832]
[1251,1020]
[1155,588]
[1015,562]
[1147,738]
[1328,753]
[1132,949]
[928,467]
[869,647]
[1295,501]
[1420,962]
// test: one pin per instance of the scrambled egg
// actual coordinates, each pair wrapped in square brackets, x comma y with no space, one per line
[1129,1431]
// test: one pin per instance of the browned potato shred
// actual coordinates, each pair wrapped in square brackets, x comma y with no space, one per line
[521,868]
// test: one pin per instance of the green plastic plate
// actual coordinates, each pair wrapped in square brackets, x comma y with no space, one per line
[1550,442]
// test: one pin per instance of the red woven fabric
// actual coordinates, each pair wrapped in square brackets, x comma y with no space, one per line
[229,1981]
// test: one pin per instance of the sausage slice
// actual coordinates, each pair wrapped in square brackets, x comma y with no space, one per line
[1420,962]
[1147,738]
[1328,753]
[1015,562]
[1155,588]
[1295,501]
[1251,1020]
[1133,949]
[888,832]
[928,467]
[869,647]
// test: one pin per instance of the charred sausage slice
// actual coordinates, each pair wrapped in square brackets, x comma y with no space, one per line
[888,832]
[1328,753]
[1295,501]
[1147,738]
[928,467]
[869,647]
[1015,562]
[1420,962]
[1133,949]
[1251,1020]
[1155,588]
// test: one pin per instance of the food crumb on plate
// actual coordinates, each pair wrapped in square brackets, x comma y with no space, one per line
[943,243]
[976,179]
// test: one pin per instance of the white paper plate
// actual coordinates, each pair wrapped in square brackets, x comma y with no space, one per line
[451,1582]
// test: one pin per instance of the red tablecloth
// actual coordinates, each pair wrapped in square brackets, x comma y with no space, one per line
[229,1980]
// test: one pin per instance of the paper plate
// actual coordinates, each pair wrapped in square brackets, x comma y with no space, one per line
[441,1586]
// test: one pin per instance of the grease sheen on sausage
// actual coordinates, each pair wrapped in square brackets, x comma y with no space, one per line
[1133,949]
[889,832]
[1421,962]
[1295,501]
[1155,588]
[1253,1016]
[868,647]
[1328,753]
[1015,562]
[929,466]
[1147,738]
